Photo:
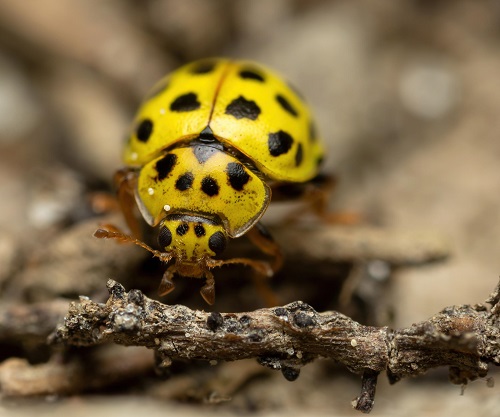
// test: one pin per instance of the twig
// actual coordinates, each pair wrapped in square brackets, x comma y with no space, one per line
[364,402]
[466,338]
[98,369]
[353,243]
[31,322]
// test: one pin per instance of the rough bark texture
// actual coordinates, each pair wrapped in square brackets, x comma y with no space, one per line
[465,338]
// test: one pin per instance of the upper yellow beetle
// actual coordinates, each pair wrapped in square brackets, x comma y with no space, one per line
[209,144]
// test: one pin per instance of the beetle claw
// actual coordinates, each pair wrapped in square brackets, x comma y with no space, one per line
[208,293]
[166,284]
[208,290]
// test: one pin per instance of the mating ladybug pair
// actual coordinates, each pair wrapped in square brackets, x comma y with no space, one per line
[209,146]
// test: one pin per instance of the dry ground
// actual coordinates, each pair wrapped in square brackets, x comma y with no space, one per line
[407,98]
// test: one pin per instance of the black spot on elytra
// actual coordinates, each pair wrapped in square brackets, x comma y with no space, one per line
[286,105]
[182,229]
[185,102]
[251,74]
[144,130]
[184,181]
[199,230]
[209,186]
[242,108]
[299,155]
[217,242]
[164,237]
[203,67]
[279,143]
[203,153]
[165,165]
[237,175]
[313,134]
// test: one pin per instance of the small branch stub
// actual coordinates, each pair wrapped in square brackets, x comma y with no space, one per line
[366,399]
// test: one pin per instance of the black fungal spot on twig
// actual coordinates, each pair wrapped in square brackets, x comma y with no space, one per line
[215,321]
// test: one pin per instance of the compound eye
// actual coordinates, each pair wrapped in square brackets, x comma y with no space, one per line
[164,237]
[217,242]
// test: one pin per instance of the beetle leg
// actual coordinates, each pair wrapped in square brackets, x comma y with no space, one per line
[261,267]
[262,270]
[109,231]
[316,194]
[208,290]
[166,284]
[260,237]
[125,181]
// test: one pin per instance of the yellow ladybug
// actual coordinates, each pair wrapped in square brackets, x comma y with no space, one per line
[209,145]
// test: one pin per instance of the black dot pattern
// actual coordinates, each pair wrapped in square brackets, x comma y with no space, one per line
[164,237]
[242,108]
[165,165]
[279,143]
[209,186]
[182,229]
[144,130]
[299,155]
[237,175]
[203,67]
[199,230]
[185,102]
[184,182]
[217,242]
[251,74]
[285,104]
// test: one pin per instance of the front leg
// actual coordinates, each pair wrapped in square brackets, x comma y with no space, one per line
[208,290]
[166,284]
[260,237]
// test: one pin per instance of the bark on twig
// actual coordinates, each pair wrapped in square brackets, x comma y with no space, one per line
[465,338]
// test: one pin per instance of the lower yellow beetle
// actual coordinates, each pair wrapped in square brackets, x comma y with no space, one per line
[210,144]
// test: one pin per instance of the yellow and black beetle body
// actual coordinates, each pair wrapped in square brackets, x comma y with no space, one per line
[208,145]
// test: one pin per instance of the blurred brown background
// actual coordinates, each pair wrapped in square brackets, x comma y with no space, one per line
[406,93]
